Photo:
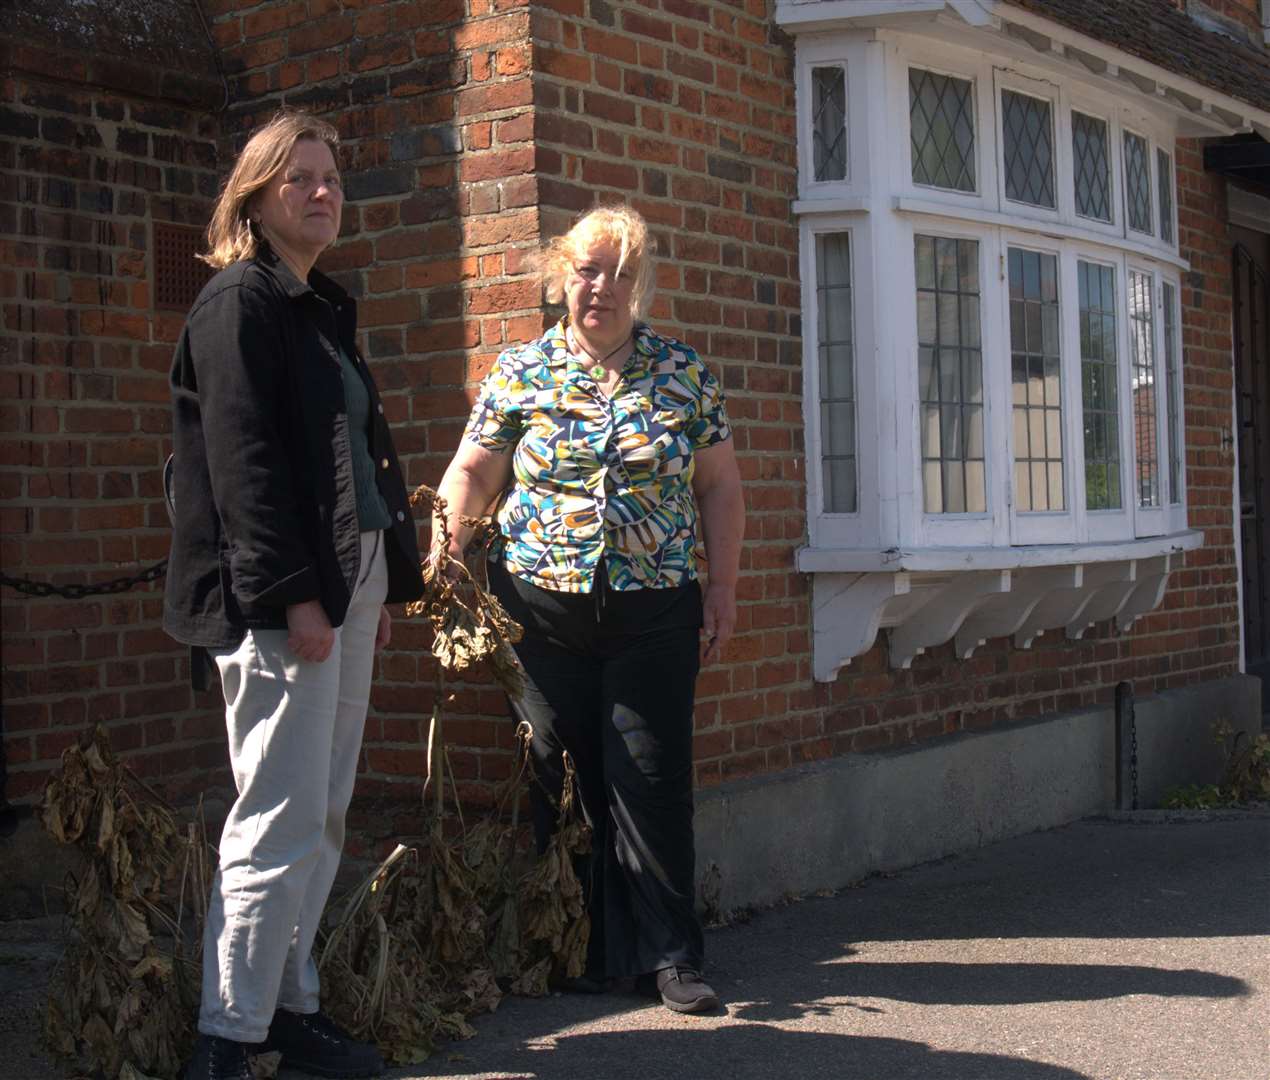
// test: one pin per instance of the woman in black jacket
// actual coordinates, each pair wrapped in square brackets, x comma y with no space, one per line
[292,531]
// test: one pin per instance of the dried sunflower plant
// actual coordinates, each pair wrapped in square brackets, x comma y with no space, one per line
[440,931]
[435,935]
[128,984]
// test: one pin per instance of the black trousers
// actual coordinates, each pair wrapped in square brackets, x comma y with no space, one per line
[611,679]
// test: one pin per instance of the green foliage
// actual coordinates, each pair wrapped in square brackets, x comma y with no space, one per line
[1195,797]
[1246,777]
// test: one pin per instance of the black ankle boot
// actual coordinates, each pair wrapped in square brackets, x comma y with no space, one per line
[314,1043]
[220,1059]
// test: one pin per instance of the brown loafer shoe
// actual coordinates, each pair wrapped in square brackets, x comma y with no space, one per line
[683,991]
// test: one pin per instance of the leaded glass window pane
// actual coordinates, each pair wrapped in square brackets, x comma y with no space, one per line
[1137,182]
[1142,358]
[941,115]
[1091,166]
[829,123]
[1172,380]
[1099,385]
[1029,148]
[1036,381]
[950,375]
[1164,183]
[836,344]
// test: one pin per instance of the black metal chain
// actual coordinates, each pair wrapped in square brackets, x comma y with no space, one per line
[1133,761]
[77,592]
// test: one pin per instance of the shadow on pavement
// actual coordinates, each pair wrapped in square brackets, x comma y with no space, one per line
[757,1052]
[993,984]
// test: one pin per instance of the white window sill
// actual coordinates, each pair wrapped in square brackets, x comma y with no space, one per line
[928,596]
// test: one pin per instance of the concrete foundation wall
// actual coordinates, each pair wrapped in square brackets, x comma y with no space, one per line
[828,824]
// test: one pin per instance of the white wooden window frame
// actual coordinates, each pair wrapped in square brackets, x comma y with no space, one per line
[858,529]
[976,120]
[1116,523]
[1089,106]
[986,195]
[1153,217]
[1171,153]
[1150,520]
[955,529]
[806,130]
[1060,135]
[1047,526]
[882,209]
[855,57]
[1176,509]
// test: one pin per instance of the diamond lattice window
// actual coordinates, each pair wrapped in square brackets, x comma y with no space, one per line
[836,343]
[1036,365]
[1137,182]
[829,123]
[1091,167]
[950,374]
[1099,379]
[1027,126]
[942,130]
[1164,183]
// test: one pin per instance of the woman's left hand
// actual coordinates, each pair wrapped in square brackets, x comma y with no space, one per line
[719,620]
[383,634]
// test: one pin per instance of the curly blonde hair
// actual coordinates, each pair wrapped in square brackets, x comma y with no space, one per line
[620,226]
[229,234]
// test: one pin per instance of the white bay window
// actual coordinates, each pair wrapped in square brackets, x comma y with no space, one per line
[992,350]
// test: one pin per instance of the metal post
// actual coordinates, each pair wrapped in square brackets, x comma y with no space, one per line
[1126,749]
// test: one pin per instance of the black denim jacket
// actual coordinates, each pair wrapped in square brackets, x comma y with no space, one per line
[266,512]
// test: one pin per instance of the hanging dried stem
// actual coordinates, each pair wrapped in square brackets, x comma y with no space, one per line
[469,624]
[435,935]
[122,998]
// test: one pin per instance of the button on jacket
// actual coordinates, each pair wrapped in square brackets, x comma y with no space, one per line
[266,511]
[598,477]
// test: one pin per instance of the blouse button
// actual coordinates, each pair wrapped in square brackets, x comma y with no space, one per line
[401,515]
[384,464]
[380,408]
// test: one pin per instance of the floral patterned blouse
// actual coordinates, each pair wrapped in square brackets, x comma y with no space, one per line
[597,477]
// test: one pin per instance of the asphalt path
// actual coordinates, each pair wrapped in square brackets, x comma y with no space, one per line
[1134,948]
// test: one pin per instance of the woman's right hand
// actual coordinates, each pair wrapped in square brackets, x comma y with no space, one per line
[310,635]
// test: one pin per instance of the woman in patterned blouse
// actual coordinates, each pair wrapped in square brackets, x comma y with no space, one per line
[607,450]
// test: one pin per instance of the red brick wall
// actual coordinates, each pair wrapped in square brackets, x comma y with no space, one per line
[84,174]
[433,104]
[472,129]
[684,109]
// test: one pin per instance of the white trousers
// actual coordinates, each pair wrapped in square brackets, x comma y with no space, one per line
[295,736]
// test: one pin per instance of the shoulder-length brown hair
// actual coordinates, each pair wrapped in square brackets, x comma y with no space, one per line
[229,235]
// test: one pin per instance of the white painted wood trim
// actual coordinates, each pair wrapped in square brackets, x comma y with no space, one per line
[916,560]
[1002,616]
[1113,244]
[850,204]
[1049,41]
[940,619]
[927,608]
[863,595]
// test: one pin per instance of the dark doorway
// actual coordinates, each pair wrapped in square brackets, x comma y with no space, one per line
[1251,259]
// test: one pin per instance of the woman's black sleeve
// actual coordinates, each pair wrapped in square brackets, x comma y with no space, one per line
[242,370]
